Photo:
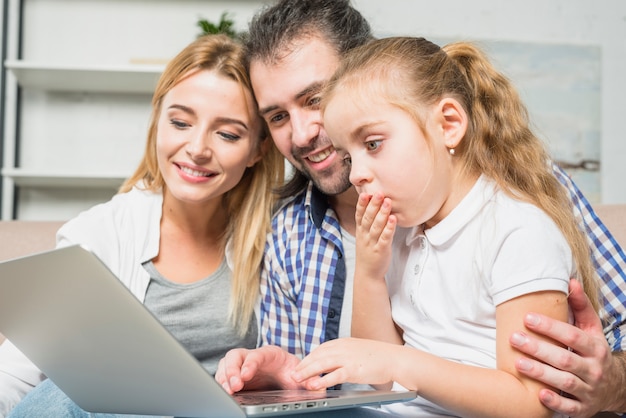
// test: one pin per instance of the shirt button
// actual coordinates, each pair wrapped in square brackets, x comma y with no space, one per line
[331,313]
[416,269]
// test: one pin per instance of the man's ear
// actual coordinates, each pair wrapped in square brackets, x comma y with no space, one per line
[453,121]
[264,146]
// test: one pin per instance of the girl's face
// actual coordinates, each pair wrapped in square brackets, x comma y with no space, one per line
[207,135]
[390,153]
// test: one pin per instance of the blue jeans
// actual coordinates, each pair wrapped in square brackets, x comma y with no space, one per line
[47,400]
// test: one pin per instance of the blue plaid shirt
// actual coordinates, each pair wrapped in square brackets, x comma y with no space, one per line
[610,263]
[303,275]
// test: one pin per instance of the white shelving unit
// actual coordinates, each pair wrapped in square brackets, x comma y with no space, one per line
[73,130]
[34,178]
[72,78]
[129,79]
[82,81]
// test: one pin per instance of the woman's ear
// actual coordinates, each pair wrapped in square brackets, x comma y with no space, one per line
[264,146]
[453,121]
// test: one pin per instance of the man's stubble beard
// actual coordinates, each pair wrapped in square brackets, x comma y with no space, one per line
[331,182]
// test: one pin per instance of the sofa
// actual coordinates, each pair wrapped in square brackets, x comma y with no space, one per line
[18,238]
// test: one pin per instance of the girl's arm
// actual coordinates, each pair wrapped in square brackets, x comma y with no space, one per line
[371,309]
[467,390]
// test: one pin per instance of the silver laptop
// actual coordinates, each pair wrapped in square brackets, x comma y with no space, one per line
[83,328]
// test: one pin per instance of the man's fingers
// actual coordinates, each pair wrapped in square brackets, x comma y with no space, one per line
[556,378]
[567,334]
[585,317]
[561,404]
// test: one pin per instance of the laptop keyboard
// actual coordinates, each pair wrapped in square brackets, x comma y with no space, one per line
[278,396]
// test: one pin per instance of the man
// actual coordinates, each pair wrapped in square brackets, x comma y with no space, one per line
[293,49]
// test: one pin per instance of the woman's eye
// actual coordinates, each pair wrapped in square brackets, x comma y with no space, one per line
[179,124]
[228,136]
[373,145]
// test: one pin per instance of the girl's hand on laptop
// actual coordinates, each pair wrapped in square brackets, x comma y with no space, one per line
[267,367]
[344,360]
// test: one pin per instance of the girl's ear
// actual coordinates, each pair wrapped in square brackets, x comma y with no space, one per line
[453,121]
[264,146]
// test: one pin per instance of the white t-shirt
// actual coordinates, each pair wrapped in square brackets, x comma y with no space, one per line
[446,282]
[349,255]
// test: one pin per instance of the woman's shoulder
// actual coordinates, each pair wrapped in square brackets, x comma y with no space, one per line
[135,201]
[118,213]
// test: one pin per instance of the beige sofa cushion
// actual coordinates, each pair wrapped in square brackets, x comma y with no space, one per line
[614,217]
[20,238]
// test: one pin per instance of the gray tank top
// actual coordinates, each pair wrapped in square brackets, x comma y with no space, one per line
[197,314]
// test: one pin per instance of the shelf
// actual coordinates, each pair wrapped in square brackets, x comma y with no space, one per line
[34,178]
[132,78]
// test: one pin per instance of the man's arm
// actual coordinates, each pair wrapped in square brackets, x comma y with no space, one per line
[278,309]
[595,371]
[589,372]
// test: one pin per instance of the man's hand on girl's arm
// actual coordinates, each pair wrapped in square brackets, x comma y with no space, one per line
[593,377]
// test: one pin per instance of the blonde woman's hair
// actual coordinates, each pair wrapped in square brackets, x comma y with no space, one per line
[413,73]
[250,202]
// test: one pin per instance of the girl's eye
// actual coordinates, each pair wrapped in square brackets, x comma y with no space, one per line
[373,145]
[179,124]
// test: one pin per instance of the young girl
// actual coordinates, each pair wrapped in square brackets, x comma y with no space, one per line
[187,231]
[462,228]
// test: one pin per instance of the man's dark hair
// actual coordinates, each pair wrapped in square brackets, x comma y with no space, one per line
[273,30]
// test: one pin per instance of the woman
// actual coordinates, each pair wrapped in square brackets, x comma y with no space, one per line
[187,231]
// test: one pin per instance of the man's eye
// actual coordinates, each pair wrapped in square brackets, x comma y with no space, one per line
[277,118]
[347,159]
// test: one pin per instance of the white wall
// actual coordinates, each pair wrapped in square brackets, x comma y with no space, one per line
[110,32]
[600,23]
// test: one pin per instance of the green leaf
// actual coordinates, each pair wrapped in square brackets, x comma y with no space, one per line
[225,26]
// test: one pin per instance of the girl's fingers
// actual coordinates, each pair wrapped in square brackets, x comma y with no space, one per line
[381,220]
[373,217]
[389,230]
[361,205]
